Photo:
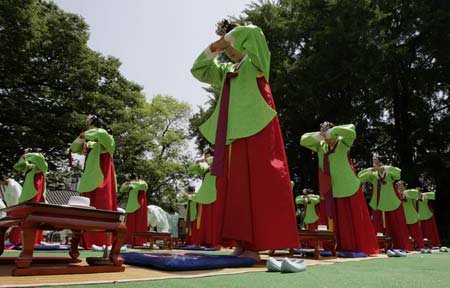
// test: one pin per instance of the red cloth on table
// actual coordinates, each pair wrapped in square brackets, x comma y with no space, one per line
[104,197]
[255,192]
[137,221]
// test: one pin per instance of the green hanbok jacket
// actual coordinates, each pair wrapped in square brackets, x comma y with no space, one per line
[133,188]
[310,202]
[248,111]
[344,181]
[99,141]
[389,201]
[409,206]
[31,163]
[424,210]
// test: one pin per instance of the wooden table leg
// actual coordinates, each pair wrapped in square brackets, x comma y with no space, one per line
[2,239]
[74,253]
[26,256]
[317,250]
[119,238]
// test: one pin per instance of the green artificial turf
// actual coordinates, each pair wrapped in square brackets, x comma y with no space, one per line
[429,270]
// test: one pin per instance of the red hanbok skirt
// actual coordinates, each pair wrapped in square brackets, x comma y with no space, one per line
[103,197]
[137,221]
[352,225]
[415,231]
[430,231]
[39,184]
[396,227]
[254,195]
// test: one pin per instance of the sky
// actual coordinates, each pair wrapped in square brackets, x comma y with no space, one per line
[156,40]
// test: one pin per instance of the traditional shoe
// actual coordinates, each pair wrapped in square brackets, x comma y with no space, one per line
[293,265]
[390,253]
[97,248]
[443,249]
[399,253]
[273,265]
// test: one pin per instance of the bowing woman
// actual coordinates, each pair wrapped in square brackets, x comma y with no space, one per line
[339,185]
[254,192]
[34,187]
[98,181]
[136,209]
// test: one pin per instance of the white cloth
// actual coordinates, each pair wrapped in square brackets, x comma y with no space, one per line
[158,218]
[2,205]
[12,193]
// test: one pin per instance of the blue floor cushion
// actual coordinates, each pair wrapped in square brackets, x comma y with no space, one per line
[185,261]
[195,247]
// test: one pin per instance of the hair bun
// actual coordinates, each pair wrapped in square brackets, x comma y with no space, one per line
[224,26]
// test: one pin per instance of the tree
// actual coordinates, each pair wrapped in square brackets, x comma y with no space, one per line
[153,144]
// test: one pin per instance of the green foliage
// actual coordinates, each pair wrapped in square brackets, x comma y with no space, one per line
[152,144]
[50,80]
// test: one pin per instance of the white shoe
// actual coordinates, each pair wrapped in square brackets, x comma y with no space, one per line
[399,253]
[97,248]
[390,253]
[293,265]
[443,249]
[273,265]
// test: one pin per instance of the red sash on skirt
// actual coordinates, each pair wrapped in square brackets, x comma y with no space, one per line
[103,197]
[137,221]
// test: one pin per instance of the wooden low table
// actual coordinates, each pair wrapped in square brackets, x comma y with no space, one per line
[40,216]
[384,242]
[318,236]
[152,237]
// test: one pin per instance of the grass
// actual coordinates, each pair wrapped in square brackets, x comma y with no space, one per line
[430,270]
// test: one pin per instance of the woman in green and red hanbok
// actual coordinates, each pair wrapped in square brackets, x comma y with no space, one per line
[253,182]
[427,220]
[309,201]
[98,181]
[34,187]
[388,216]
[204,223]
[344,204]
[410,198]
[136,210]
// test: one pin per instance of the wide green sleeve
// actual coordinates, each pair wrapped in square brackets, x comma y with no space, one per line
[366,175]
[300,199]
[38,160]
[311,141]
[23,165]
[142,185]
[315,199]
[77,146]
[102,137]
[347,133]
[250,40]
[429,195]
[393,172]
[198,169]
[412,194]
[125,187]
[207,70]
